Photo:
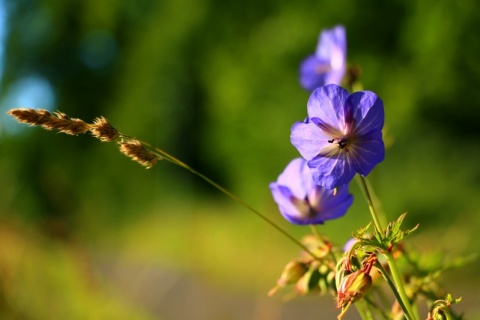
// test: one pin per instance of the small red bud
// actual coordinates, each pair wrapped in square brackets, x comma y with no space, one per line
[353,287]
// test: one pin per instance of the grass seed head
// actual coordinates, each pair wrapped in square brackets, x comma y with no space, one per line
[57,121]
[103,130]
[137,152]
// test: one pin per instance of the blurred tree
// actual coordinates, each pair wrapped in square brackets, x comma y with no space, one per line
[215,83]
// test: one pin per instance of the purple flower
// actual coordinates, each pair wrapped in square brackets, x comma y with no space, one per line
[341,136]
[328,64]
[301,201]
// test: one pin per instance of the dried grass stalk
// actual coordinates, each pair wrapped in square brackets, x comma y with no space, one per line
[137,152]
[103,130]
[58,121]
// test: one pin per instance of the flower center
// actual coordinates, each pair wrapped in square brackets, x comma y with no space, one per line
[322,68]
[309,206]
[341,142]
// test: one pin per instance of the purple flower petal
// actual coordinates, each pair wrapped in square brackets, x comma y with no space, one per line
[327,103]
[342,135]
[282,195]
[301,201]
[308,139]
[328,64]
[369,115]
[289,177]
[332,45]
[332,172]
[313,72]
[337,205]
[368,152]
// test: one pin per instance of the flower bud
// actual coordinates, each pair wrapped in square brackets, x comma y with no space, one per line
[353,287]
[292,272]
[320,248]
[309,282]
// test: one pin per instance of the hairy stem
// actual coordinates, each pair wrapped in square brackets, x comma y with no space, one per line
[391,284]
[397,279]
[398,288]
[366,191]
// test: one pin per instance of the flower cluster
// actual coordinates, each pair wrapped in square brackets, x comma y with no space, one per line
[340,138]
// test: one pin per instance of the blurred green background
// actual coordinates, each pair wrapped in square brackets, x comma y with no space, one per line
[85,233]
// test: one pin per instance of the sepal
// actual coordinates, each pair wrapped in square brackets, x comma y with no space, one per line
[387,240]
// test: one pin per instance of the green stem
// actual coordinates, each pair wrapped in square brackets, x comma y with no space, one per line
[364,310]
[398,287]
[397,279]
[182,164]
[318,234]
[364,186]
[384,273]
[371,304]
[378,206]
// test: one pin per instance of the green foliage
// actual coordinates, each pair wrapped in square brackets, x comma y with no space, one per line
[384,241]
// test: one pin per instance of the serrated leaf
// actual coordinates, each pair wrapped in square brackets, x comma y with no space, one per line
[359,234]
[393,234]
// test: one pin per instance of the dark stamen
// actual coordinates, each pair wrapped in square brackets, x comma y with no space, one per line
[342,143]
